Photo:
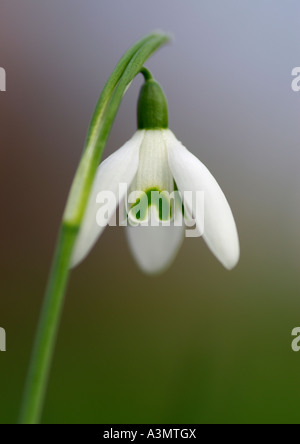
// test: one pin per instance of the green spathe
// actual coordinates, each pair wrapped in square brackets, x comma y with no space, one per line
[152,109]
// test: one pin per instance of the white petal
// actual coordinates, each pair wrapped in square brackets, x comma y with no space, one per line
[190,174]
[120,167]
[154,247]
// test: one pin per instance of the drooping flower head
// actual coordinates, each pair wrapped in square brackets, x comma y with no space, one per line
[162,189]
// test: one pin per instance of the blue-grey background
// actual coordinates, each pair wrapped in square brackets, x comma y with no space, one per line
[198,344]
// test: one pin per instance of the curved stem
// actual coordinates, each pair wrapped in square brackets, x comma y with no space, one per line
[47,329]
[102,120]
[146,73]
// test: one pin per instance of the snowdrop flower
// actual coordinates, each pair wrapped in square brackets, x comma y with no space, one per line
[154,160]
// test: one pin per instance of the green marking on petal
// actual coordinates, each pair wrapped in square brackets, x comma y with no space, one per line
[152,197]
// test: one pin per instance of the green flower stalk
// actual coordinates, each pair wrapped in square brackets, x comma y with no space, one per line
[128,67]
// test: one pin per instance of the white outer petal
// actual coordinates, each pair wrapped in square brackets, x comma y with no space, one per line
[154,248]
[220,232]
[120,167]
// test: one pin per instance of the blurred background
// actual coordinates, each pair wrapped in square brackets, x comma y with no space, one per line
[198,344]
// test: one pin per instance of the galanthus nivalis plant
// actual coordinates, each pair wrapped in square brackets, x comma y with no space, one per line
[162,190]
[155,161]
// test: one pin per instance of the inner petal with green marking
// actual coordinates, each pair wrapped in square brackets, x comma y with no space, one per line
[153,197]
[153,184]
